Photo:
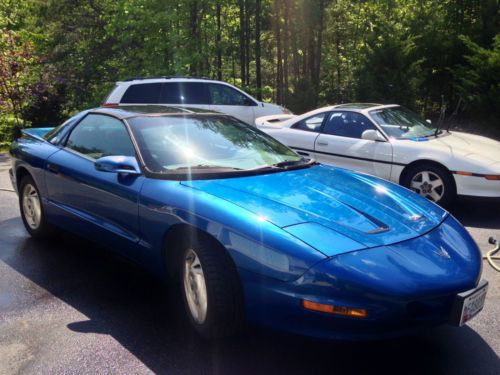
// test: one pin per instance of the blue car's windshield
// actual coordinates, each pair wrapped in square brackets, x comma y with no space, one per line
[399,122]
[203,142]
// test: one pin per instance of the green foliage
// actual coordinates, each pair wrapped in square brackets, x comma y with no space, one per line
[478,82]
[8,129]
[68,54]
[390,69]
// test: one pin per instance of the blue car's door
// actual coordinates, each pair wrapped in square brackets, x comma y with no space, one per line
[97,204]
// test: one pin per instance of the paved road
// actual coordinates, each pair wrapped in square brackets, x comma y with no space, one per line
[71,307]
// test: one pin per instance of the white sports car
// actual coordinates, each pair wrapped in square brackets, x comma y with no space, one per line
[394,143]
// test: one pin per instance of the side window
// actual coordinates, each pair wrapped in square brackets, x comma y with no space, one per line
[98,135]
[225,95]
[143,93]
[347,124]
[311,124]
[185,93]
[56,134]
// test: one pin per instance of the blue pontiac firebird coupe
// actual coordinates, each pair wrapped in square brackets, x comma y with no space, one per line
[249,229]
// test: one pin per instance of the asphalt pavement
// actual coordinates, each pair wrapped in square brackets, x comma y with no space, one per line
[69,306]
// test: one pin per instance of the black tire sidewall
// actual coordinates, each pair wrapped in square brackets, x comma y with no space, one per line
[224,312]
[450,193]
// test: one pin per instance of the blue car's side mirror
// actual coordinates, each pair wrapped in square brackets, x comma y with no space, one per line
[118,164]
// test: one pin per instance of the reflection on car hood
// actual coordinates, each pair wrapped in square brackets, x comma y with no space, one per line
[365,209]
[481,149]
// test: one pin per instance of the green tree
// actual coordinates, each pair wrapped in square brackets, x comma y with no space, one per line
[478,82]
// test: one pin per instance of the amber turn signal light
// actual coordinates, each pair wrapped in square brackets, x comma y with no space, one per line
[337,310]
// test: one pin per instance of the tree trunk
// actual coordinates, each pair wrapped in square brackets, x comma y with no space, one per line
[242,40]
[194,28]
[318,51]
[285,49]
[247,43]
[258,76]
[279,66]
[219,47]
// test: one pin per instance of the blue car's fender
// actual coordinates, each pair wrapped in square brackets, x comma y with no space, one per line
[403,287]
[254,243]
[29,155]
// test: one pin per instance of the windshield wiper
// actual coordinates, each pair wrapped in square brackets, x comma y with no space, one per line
[291,163]
[206,166]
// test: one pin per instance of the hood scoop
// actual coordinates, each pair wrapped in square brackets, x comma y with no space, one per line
[381,227]
[365,209]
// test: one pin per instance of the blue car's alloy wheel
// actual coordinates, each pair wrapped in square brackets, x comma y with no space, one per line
[31,206]
[210,287]
[195,287]
[31,209]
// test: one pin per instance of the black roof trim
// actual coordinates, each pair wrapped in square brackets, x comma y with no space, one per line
[358,105]
[125,112]
[163,77]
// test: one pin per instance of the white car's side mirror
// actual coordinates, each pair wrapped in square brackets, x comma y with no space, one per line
[373,135]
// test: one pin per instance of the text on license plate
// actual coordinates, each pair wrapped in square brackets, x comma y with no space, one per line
[473,304]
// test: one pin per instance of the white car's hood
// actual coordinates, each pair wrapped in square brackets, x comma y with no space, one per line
[473,147]
[273,121]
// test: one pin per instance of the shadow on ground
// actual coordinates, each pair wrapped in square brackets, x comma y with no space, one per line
[4,157]
[147,319]
[477,213]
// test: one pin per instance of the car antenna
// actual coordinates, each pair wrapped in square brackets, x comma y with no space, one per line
[441,116]
[454,113]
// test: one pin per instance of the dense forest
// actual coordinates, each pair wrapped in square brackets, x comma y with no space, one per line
[61,56]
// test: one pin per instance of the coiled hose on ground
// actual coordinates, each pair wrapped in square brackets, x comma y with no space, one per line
[489,255]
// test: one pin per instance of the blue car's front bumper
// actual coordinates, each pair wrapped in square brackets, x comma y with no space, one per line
[404,287]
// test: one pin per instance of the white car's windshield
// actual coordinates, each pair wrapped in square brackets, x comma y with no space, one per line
[201,143]
[399,122]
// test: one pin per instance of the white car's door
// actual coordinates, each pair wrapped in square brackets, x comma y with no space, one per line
[340,144]
[302,135]
[225,99]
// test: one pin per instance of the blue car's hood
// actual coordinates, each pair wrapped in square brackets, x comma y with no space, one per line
[322,205]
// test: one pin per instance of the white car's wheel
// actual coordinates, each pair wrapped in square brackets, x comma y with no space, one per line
[432,182]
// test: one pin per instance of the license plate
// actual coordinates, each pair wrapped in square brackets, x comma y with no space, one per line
[468,304]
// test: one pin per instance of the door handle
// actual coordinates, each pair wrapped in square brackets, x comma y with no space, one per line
[53,168]
[322,143]
[302,153]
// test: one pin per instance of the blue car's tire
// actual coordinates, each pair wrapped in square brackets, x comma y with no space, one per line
[31,208]
[209,277]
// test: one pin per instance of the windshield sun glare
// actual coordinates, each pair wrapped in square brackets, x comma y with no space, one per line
[201,142]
